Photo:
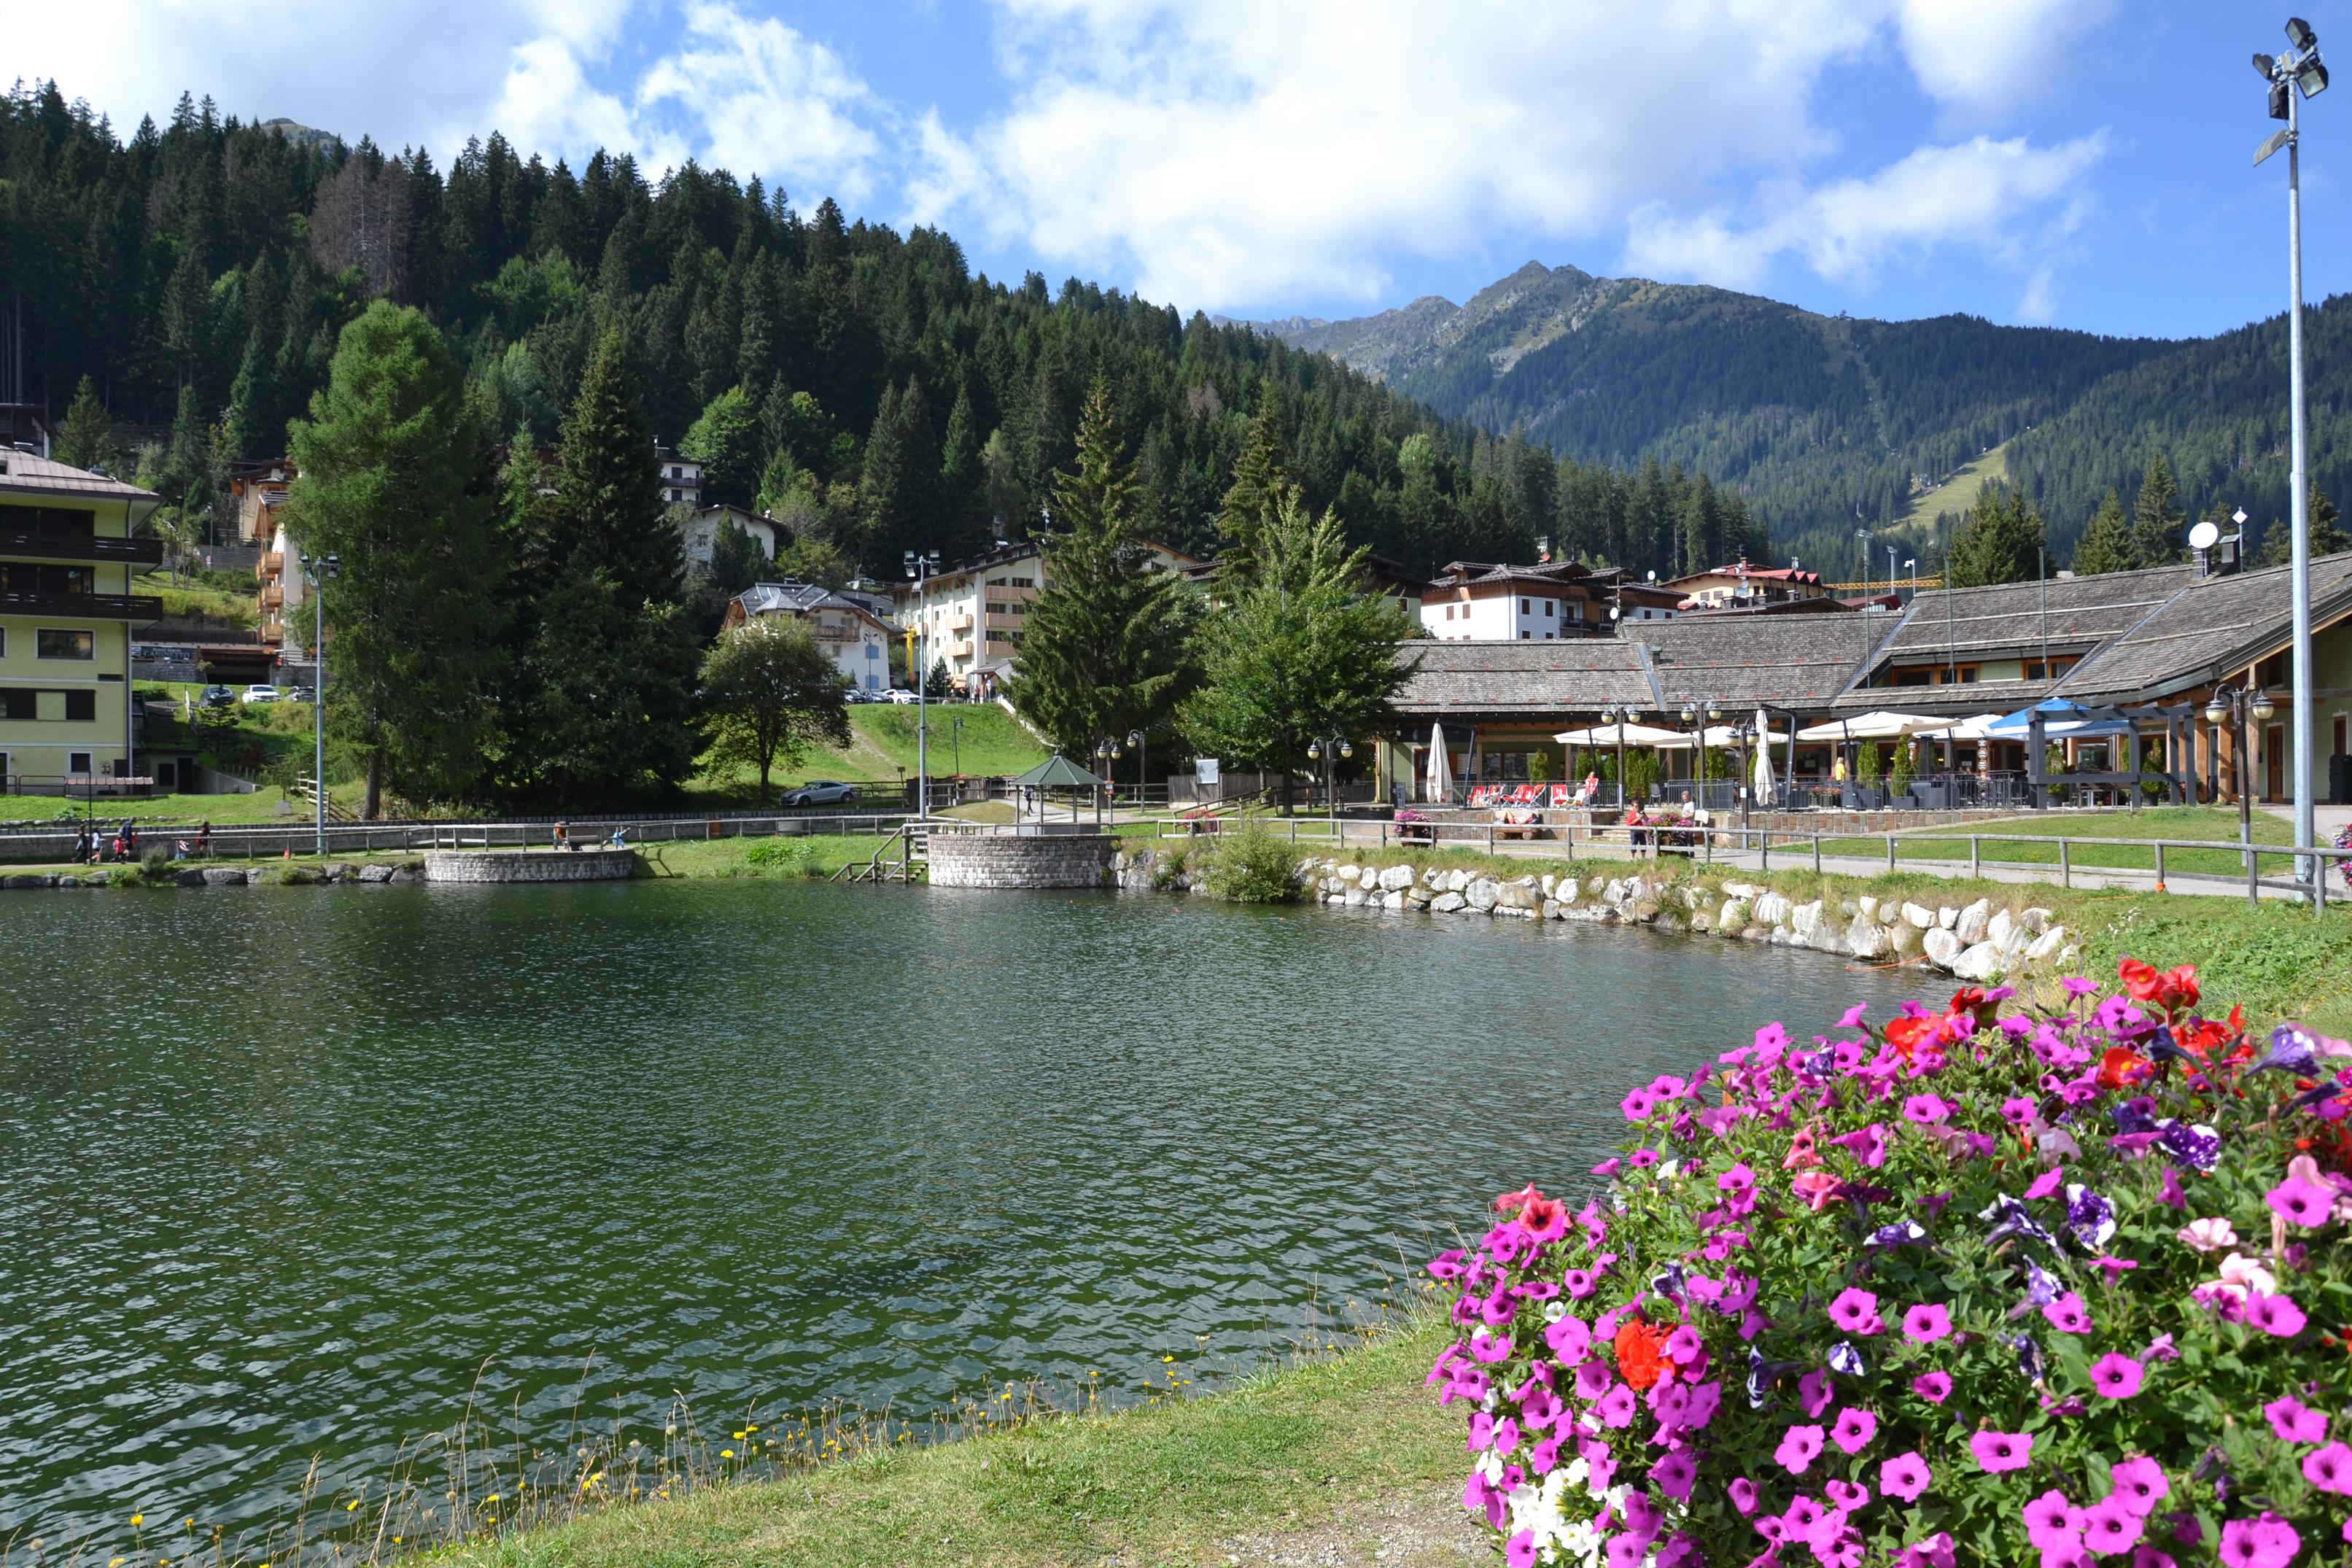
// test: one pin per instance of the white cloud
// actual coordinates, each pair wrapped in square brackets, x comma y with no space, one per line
[1986,56]
[755,95]
[2013,203]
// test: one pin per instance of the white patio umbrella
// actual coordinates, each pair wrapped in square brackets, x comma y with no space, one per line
[1719,738]
[1762,786]
[1972,729]
[1633,736]
[1440,776]
[1878,724]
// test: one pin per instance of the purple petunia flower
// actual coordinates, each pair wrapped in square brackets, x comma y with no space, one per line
[2268,1542]
[2069,1314]
[1856,1311]
[2197,1147]
[1742,1492]
[1814,1393]
[2171,1193]
[2109,1528]
[1846,1360]
[1999,1452]
[2139,1483]
[1926,1109]
[2090,1217]
[1934,1387]
[2116,1376]
[2292,1050]
[1902,1232]
[1674,1474]
[1905,1475]
[2295,1422]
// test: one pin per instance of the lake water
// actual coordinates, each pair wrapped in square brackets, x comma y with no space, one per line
[281,1171]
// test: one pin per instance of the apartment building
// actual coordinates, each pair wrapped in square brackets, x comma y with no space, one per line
[67,556]
[974,614]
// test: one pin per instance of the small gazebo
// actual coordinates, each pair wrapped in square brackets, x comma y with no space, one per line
[1034,790]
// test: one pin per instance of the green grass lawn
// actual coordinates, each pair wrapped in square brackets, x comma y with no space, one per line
[1284,1451]
[1956,494]
[882,750]
[2126,834]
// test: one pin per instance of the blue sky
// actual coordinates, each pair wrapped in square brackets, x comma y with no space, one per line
[2079,162]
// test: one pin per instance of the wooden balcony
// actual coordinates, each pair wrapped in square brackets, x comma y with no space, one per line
[273,595]
[83,606]
[101,548]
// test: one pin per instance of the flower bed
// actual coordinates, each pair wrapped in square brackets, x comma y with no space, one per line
[1982,1285]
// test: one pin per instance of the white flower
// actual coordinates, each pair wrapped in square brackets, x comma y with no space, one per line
[1554,1310]
[2240,1273]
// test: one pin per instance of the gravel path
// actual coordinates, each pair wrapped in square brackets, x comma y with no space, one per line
[1426,1530]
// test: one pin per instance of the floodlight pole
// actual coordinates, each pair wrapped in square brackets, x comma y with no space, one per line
[2298,501]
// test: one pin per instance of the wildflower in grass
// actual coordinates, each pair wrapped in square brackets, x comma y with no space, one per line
[1926,1322]
[1800,1446]
[2295,1422]
[1999,1452]
[1934,1387]
[2116,1376]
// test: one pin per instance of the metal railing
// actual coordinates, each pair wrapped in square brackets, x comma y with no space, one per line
[103,548]
[81,607]
[1715,842]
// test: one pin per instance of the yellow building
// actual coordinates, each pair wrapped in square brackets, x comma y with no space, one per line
[66,558]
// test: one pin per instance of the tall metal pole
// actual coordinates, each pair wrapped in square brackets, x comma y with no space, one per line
[319,709]
[2298,502]
[922,682]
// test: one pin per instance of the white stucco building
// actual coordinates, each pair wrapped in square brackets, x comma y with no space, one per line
[974,612]
[857,639]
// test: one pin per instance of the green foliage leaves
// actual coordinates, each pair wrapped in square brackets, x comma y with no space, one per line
[769,693]
[1250,865]
[2001,542]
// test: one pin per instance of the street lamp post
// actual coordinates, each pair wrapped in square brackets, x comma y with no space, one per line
[2233,705]
[1694,713]
[1137,738]
[1864,534]
[920,570]
[1618,713]
[316,573]
[1330,749]
[1106,754]
[2292,78]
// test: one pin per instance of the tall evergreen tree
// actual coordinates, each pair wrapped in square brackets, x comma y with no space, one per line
[2000,543]
[2109,543]
[1261,480]
[1108,646]
[1299,652]
[898,489]
[608,688]
[2327,537]
[964,518]
[86,440]
[726,441]
[2157,517]
[395,482]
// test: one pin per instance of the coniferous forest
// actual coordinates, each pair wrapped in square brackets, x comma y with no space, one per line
[863,385]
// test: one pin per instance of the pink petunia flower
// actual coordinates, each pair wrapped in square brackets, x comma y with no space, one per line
[1569,1339]
[1675,1474]
[2295,1422]
[2049,1182]
[1616,1407]
[1934,1387]
[2209,1235]
[1926,1322]
[1742,1492]
[2147,1556]
[2116,1376]
[1800,1446]
[1854,1429]
[2069,1314]
[1905,1476]
[2275,1314]
[1856,1311]
[2302,1203]
[1999,1452]
[2109,1526]
[1814,1393]
[2268,1542]
[1851,1496]
[1737,1180]
[2329,1469]
[1519,1552]
[2139,1482]
[1926,1109]
[2048,1519]
[1936,1551]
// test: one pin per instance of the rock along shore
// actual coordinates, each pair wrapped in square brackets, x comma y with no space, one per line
[1978,943]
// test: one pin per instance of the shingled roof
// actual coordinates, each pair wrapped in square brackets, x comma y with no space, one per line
[1531,679]
[1789,661]
[2206,629]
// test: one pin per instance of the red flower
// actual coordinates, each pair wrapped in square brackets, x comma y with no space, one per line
[2140,980]
[1517,1200]
[2122,1067]
[2172,990]
[1544,1216]
[1906,1032]
[2180,987]
[1641,1358]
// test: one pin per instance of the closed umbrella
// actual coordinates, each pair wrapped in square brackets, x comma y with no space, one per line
[1441,776]
[1762,783]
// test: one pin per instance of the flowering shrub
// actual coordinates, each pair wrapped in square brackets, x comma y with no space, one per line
[1979,1285]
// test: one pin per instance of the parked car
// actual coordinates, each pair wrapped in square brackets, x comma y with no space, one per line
[219,696]
[901,696]
[821,792]
[859,694]
[262,693]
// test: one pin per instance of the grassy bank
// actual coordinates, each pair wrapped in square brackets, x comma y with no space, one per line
[1319,1446]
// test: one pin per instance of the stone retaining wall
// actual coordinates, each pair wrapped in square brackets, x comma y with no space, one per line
[1004,860]
[530,865]
[1975,942]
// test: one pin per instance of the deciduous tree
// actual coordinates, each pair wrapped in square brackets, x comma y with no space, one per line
[769,693]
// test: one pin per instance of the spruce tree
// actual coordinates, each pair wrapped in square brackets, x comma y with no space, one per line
[2108,544]
[2157,518]
[2000,541]
[609,672]
[897,491]
[1108,648]
[964,518]
[395,483]
[2327,538]
[86,437]
[1261,478]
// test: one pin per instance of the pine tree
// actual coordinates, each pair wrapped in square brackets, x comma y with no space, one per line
[1261,480]
[609,670]
[1999,543]
[2327,538]
[726,441]
[1108,646]
[394,483]
[1299,652]
[86,437]
[897,487]
[2108,544]
[2157,517]
[964,520]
